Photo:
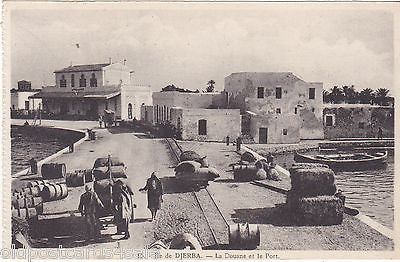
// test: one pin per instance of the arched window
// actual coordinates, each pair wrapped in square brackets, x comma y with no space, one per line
[82,81]
[63,82]
[129,111]
[72,80]
[93,81]
[202,127]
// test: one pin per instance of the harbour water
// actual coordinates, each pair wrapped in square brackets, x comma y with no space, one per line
[370,191]
[37,143]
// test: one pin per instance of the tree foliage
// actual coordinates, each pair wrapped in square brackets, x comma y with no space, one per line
[210,86]
[349,95]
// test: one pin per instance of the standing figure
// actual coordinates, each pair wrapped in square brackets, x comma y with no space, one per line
[123,207]
[238,143]
[380,133]
[88,205]
[154,194]
[100,121]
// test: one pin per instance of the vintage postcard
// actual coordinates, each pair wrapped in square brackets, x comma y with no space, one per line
[240,131]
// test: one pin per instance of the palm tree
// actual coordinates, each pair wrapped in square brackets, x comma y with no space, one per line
[366,96]
[326,98]
[381,96]
[210,86]
[350,94]
[336,95]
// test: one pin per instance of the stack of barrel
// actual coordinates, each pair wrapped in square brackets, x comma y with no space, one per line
[312,198]
[27,203]
[79,178]
[249,168]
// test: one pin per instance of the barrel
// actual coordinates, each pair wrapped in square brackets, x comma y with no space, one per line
[53,170]
[244,236]
[33,191]
[35,202]
[36,183]
[52,192]
[25,213]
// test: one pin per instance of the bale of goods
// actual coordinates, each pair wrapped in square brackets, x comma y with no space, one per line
[244,236]
[103,161]
[78,178]
[53,170]
[307,165]
[313,182]
[193,156]
[320,210]
[52,192]
[247,156]
[101,173]
[25,213]
[37,183]
[209,172]
[260,175]
[187,166]
[247,172]
[189,156]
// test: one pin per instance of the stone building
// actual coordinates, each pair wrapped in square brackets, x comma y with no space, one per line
[165,100]
[277,107]
[85,91]
[357,120]
[197,116]
[20,97]
[206,124]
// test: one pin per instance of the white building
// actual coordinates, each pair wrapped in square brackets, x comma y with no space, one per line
[20,97]
[85,91]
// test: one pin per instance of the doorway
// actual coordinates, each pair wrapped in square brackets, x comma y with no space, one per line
[262,135]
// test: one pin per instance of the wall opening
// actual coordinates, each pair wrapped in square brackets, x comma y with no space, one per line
[63,81]
[284,132]
[329,120]
[202,127]
[311,93]
[262,135]
[260,92]
[82,81]
[278,92]
[130,111]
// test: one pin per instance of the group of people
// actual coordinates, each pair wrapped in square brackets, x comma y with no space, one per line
[90,205]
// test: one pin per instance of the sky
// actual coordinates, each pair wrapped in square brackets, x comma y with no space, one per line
[189,47]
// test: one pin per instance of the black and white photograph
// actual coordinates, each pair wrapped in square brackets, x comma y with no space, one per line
[200,130]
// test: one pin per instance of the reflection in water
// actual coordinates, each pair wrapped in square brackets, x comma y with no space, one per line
[370,191]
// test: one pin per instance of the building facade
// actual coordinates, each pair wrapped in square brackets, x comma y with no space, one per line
[163,102]
[357,120]
[280,107]
[206,124]
[85,91]
[20,97]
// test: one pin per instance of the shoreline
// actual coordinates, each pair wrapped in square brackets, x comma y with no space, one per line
[54,155]
[361,230]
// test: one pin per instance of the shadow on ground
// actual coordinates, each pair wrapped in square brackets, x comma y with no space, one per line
[67,231]
[279,215]
[171,185]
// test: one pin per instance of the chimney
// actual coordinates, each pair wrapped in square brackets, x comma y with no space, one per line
[109,60]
